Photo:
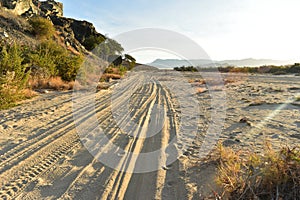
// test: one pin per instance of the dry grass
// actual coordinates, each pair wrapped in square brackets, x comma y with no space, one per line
[197,81]
[55,83]
[107,77]
[257,102]
[271,175]
[213,82]
[201,90]
[231,80]
[29,93]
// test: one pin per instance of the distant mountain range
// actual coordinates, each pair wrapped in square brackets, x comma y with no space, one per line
[249,62]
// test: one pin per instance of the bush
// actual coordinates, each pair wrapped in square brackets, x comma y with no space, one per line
[68,66]
[48,60]
[44,58]
[41,27]
[13,74]
[92,42]
[54,60]
[55,83]
[271,175]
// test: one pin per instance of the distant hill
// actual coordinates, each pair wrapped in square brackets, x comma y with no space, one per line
[249,62]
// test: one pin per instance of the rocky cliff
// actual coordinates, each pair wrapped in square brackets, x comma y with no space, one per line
[71,32]
[29,8]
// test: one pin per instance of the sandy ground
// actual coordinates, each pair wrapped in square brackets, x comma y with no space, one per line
[42,156]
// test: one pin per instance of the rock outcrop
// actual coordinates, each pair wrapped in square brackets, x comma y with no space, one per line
[30,8]
[71,31]
[80,29]
[19,7]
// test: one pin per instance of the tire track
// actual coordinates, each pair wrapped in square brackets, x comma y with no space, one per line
[14,155]
[117,188]
[18,160]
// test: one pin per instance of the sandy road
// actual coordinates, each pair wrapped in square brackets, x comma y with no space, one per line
[42,155]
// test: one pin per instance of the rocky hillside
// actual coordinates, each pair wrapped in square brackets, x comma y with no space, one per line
[14,26]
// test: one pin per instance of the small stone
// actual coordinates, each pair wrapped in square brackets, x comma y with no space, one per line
[244,120]
[237,140]
[276,136]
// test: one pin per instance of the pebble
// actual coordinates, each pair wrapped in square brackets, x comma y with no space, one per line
[276,136]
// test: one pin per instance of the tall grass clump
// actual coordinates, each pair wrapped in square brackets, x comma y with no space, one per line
[270,175]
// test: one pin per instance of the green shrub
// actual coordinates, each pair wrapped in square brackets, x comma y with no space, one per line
[68,66]
[91,42]
[122,70]
[41,27]
[45,57]
[13,74]
[54,60]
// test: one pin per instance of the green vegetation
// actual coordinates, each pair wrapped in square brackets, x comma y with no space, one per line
[41,27]
[270,175]
[50,65]
[20,65]
[186,69]
[13,74]
[54,60]
[271,69]
[92,42]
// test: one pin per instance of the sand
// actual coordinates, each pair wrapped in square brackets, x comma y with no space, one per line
[43,156]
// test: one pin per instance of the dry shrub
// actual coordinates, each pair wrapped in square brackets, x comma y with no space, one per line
[55,83]
[106,77]
[230,80]
[271,175]
[257,102]
[29,93]
[191,81]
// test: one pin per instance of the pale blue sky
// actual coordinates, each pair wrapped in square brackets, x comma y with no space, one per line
[231,29]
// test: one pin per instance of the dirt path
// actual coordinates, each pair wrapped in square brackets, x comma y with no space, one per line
[42,156]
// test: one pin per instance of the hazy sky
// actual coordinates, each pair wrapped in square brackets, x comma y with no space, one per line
[231,29]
